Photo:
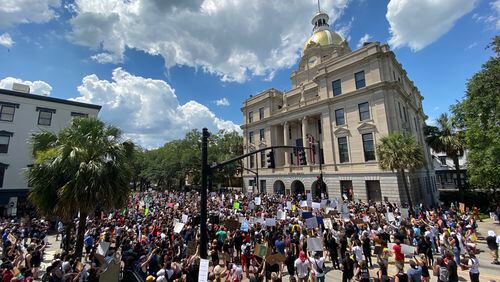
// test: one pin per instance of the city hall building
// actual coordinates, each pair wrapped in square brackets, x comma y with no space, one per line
[341,103]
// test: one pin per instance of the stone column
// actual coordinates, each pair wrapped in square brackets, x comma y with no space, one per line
[305,141]
[286,127]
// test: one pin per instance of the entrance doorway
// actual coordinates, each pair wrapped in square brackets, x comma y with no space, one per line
[346,189]
[279,187]
[317,190]
[373,190]
[297,188]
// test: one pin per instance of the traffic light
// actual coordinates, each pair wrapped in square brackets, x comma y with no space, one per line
[302,157]
[270,159]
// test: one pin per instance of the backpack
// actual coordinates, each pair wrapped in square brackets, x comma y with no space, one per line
[443,274]
[320,270]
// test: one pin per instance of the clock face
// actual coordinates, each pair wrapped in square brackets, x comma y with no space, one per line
[312,61]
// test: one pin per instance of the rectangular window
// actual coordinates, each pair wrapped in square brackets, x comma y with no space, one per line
[263,159]
[360,79]
[404,113]
[77,114]
[337,87]
[7,113]
[44,117]
[250,137]
[343,150]
[261,135]
[416,125]
[400,113]
[368,147]
[290,132]
[339,117]
[252,161]
[319,126]
[2,174]
[261,113]
[364,111]
[4,143]
[250,117]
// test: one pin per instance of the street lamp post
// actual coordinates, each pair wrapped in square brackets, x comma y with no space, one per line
[203,204]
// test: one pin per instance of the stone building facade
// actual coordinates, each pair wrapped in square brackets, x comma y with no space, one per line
[341,102]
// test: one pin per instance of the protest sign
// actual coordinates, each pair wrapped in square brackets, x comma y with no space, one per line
[281,215]
[236,205]
[12,238]
[327,222]
[260,250]
[314,245]
[294,207]
[251,205]
[316,205]
[404,212]
[311,223]
[103,248]
[306,215]
[185,218]
[390,217]
[405,249]
[257,201]
[203,272]
[275,259]
[178,227]
[245,226]
[303,204]
[270,221]
[324,203]
[334,204]
[288,205]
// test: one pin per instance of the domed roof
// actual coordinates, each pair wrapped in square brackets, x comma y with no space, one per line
[324,37]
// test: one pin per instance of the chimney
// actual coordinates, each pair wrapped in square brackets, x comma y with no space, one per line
[21,88]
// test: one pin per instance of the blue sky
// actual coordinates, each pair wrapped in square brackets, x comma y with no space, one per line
[168,62]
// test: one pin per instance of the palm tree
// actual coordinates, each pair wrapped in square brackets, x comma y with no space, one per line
[445,138]
[83,166]
[399,152]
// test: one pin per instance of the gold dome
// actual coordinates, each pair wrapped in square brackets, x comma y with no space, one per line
[324,37]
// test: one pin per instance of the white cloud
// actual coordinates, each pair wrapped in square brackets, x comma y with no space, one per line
[146,109]
[495,6]
[36,87]
[362,40]
[27,11]
[419,23]
[224,102]
[492,20]
[472,45]
[233,39]
[6,40]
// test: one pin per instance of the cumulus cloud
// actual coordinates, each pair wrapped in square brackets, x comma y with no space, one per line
[419,23]
[224,102]
[27,11]
[233,39]
[362,40]
[6,40]
[146,109]
[36,87]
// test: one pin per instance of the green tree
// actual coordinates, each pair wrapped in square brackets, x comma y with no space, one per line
[399,152]
[82,167]
[479,115]
[447,138]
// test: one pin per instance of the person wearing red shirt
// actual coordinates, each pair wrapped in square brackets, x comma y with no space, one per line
[398,255]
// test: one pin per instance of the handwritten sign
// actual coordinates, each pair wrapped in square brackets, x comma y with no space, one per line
[316,205]
[270,221]
[390,217]
[311,223]
[288,205]
[314,245]
[245,226]
[327,222]
[203,272]
[260,250]
[303,204]
[257,201]
[281,215]
[178,227]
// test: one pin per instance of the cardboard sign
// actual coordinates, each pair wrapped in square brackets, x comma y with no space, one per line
[203,272]
[314,245]
[404,212]
[312,223]
[12,238]
[316,205]
[231,224]
[260,250]
[257,201]
[461,207]
[270,221]
[275,259]
[327,222]
[178,227]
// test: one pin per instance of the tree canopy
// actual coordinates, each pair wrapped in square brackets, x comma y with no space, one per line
[479,116]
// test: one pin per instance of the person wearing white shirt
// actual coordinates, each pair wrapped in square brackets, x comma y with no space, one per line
[358,251]
[473,266]
[302,267]
[318,265]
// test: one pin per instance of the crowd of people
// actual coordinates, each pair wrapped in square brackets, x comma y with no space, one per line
[253,238]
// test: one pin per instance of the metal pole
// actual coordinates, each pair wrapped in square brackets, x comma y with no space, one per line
[203,212]
[257,174]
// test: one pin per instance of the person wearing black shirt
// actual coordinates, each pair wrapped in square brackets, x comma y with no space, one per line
[333,250]
[289,262]
[347,268]
[367,250]
[343,246]
[452,268]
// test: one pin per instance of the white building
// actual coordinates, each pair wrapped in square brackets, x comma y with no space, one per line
[21,115]
[446,174]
